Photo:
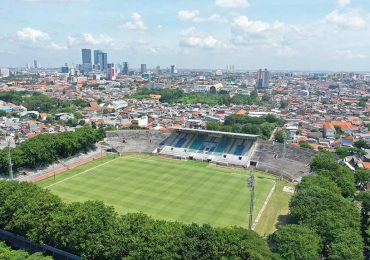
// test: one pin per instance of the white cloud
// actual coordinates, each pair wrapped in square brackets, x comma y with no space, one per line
[232,3]
[185,15]
[285,51]
[33,35]
[193,15]
[136,23]
[58,46]
[349,20]
[89,39]
[191,38]
[343,3]
[350,55]
[246,30]
[258,35]
[212,18]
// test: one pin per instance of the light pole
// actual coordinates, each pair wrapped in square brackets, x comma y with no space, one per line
[251,183]
[10,164]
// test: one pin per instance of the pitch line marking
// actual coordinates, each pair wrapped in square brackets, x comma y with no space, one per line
[85,171]
[264,206]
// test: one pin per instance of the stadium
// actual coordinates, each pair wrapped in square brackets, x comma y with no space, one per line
[223,148]
[186,175]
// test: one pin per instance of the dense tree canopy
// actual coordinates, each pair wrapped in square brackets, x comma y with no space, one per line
[262,126]
[295,242]
[95,231]
[47,148]
[42,103]
[221,98]
[323,203]
[7,253]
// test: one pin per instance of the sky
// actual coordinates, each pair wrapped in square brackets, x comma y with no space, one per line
[200,34]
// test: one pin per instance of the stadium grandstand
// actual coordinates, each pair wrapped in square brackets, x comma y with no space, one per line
[222,148]
[212,146]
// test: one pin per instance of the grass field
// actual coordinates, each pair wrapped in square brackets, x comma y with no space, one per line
[186,191]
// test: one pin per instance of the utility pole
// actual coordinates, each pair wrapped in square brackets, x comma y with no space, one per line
[251,184]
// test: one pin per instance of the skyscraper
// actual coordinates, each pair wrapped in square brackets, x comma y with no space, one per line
[86,56]
[143,68]
[96,53]
[263,79]
[172,69]
[35,64]
[125,68]
[103,61]
[86,60]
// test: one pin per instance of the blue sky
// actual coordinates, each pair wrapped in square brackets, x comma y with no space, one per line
[277,34]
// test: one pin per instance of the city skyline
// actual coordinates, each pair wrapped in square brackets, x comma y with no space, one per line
[311,35]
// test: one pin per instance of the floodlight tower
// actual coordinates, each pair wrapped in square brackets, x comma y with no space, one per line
[8,141]
[251,185]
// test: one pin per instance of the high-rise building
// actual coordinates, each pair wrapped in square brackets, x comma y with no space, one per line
[64,69]
[111,72]
[143,68]
[96,54]
[125,68]
[158,69]
[172,69]
[35,64]
[4,72]
[102,61]
[263,79]
[86,56]
[86,60]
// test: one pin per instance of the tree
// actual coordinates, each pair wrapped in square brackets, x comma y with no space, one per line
[85,228]
[324,211]
[362,102]
[343,177]
[25,208]
[280,136]
[284,104]
[254,96]
[364,198]
[347,244]
[305,144]
[361,144]
[213,126]
[7,253]
[321,182]
[323,160]
[362,177]
[294,242]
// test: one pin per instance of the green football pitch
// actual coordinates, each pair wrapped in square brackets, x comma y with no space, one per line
[185,191]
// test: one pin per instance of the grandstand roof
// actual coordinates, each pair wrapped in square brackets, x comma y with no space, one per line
[235,135]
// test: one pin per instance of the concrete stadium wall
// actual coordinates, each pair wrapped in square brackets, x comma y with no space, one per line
[136,141]
[291,163]
[66,167]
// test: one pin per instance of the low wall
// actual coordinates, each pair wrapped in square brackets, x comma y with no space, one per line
[66,168]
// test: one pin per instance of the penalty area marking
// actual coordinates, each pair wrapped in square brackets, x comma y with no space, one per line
[85,171]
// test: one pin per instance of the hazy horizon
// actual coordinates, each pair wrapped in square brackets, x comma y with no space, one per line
[312,35]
